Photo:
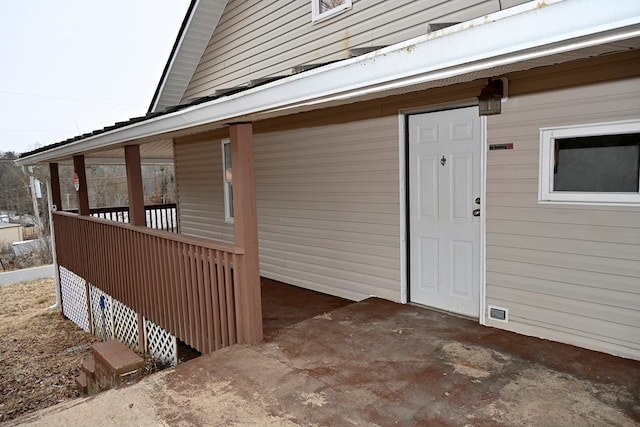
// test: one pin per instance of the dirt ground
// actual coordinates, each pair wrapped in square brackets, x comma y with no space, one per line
[40,351]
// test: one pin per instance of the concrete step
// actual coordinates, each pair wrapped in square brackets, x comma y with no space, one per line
[81,383]
[89,368]
[115,364]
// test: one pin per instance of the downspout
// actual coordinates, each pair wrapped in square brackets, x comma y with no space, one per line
[56,269]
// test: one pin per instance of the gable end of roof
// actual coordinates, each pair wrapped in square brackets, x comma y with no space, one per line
[195,33]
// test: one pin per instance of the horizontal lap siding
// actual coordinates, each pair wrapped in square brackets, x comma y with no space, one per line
[328,205]
[328,208]
[257,39]
[567,273]
[198,167]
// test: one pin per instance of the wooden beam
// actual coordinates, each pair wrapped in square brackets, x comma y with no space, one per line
[246,233]
[56,194]
[134,185]
[83,192]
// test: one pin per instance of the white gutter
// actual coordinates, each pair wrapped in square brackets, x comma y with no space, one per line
[529,31]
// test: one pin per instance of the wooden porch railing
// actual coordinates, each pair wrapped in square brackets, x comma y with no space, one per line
[161,217]
[185,285]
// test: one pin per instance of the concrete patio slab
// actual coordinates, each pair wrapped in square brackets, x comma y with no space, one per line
[375,363]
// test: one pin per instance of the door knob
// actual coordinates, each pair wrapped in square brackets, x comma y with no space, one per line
[476,212]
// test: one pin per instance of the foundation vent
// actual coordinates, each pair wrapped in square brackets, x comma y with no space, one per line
[498,313]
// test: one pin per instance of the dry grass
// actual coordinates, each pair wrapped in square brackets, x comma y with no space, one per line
[39,359]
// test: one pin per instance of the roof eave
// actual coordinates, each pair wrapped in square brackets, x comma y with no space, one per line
[425,59]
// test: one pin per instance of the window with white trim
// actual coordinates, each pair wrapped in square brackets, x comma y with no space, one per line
[591,164]
[323,9]
[227,180]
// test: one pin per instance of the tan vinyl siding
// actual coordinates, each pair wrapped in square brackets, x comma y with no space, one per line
[198,168]
[328,205]
[256,39]
[328,208]
[567,273]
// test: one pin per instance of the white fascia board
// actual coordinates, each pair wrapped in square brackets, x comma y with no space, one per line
[193,42]
[529,31]
[172,60]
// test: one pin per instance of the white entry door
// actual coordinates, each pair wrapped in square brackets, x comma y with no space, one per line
[444,224]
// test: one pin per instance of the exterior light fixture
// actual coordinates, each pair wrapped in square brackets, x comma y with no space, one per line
[490,99]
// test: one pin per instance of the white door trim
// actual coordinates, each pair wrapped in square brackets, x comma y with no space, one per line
[404,204]
[483,220]
[404,200]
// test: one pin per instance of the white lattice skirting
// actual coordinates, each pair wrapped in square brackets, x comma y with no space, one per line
[114,320]
[111,319]
[101,313]
[74,298]
[160,343]
[125,325]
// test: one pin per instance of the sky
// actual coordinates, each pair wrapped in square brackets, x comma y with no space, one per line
[68,67]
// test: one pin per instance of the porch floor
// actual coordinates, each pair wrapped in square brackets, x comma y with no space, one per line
[284,305]
[373,363]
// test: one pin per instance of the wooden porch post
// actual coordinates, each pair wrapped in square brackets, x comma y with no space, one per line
[246,233]
[137,215]
[56,194]
[134,185]
[83,192]
[83,209]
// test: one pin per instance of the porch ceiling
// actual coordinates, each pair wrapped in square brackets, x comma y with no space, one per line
[158,152]
[461,53]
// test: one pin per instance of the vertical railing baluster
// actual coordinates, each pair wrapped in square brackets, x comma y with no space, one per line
[168,284]
[121,260]
[176,287]
[186,283]
[158,283]
[215,295]
[133,272]
[231,300]
[151,294]
[200,301]
[193,289]
[222,299]
[149,298]
[139,273]
[234,263]
[179,289]
[208,325]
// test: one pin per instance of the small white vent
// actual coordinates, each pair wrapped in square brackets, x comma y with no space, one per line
[498,313]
